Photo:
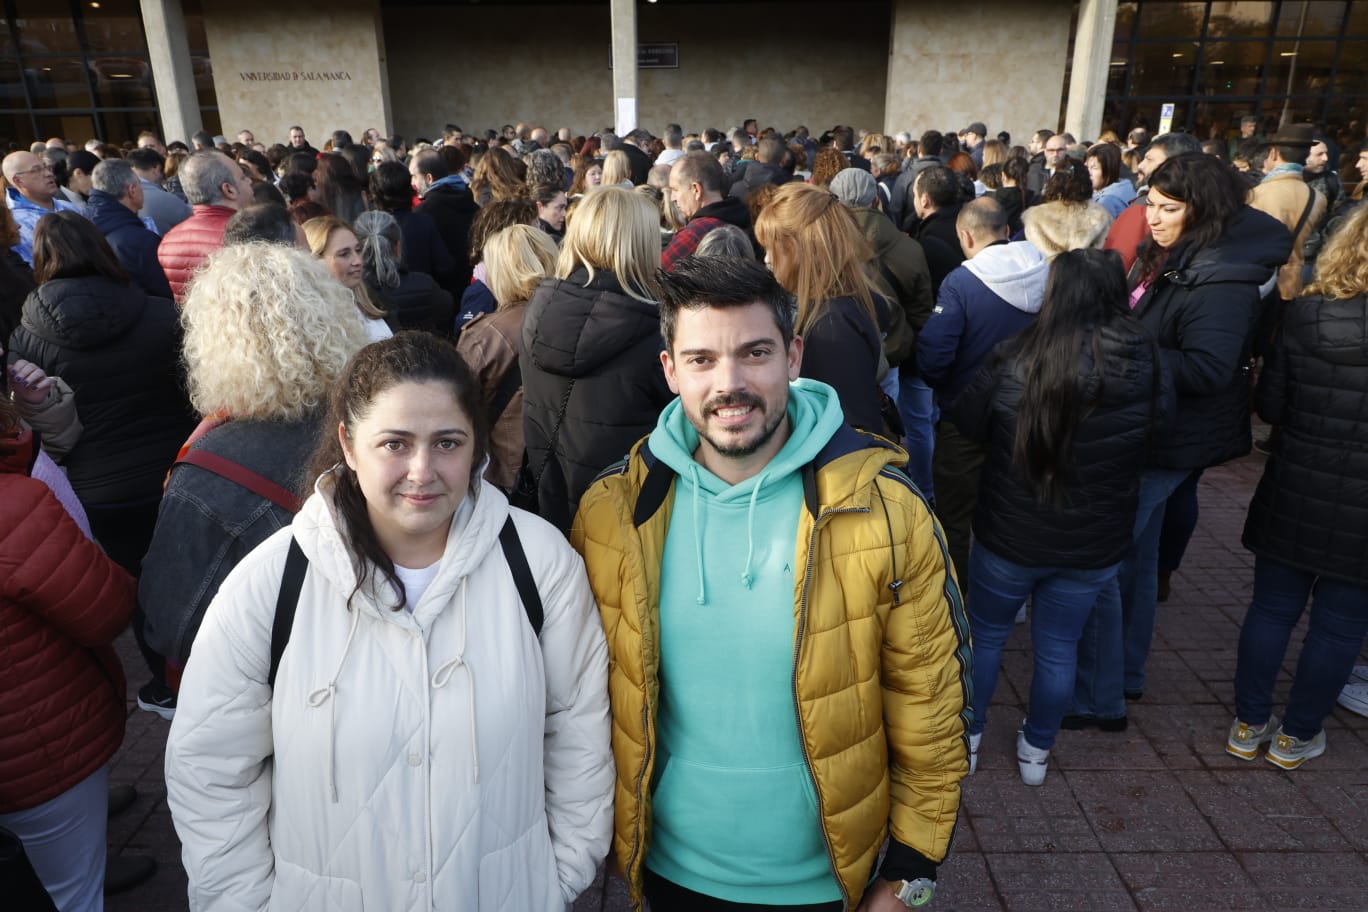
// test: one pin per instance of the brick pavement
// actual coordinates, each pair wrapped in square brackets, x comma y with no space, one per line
[1156,818]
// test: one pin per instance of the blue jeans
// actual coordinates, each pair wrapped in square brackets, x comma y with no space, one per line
[1061,602]
[1116,642]
[1339,623]
[917,406]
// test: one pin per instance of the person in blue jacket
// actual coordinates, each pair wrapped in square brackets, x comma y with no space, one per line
[114,203]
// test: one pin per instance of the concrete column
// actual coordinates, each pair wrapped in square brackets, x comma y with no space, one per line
[173,78]
[1091,64]
[624,24]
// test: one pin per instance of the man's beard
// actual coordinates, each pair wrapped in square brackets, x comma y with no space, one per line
[769,424]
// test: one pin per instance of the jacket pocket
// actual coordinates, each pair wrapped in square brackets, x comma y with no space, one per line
[521,877]
[298,889]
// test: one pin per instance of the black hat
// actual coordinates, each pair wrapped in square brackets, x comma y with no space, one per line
[1300,135]
[977,128]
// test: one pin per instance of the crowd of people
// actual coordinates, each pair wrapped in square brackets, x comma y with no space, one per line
[488,506]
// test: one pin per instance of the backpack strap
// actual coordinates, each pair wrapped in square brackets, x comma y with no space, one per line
[243,477]
[296,566]
[522,574]
[1306,213]
[511,383]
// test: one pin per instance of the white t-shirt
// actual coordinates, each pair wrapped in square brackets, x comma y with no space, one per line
[415,582]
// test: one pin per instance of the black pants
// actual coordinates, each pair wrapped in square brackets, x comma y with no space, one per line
[956,467]
[665,896]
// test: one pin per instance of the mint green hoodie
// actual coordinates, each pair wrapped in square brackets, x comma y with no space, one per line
[734,811]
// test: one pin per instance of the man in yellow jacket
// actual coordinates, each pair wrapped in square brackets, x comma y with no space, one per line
[789,654]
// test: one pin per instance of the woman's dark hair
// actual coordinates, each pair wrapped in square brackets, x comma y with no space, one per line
[343,192]
[391,188]
[358,156]
[455,159]
[1213,192]
[406,357]
[295,185]
[1017,169]
[266,192]
[1070,184]
[67,246]
[991,175]
[276,154]
[1109,158]
[259,161]
[302,162]
[1085,293]
[496,216]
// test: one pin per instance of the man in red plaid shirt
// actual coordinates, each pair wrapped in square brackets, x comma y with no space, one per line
[696,188]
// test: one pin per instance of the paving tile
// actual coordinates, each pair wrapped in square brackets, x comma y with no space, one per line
[1093,749]
[1341,797]
[1077,882]
[1142,812]
[963,885]
[1258,809]
[1011,817]
[1185,881]
[1329,882]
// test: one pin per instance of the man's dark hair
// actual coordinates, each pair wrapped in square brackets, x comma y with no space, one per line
[694,145]
[390,188]
[712,135]
[1175,144]
[941,184]
[701,168]
[267,222]
[450,131]
[431,164]
[302,162]
[146,159]
[1042,136]
[697,282]
[1293,155]
[340,140]
[931,144]
[843,139]
[770,151]
[203,140]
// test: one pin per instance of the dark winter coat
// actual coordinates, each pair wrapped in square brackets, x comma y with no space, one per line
[134,244]
[207,524]
[592,334]
[936,234]
[1310,510]
[756,175]
[62,604]
[842,349]
[16,281]
[1202,308]
[119,350]
[418,303]
[1091,527]
[901,265]
[452,208]
[423,250]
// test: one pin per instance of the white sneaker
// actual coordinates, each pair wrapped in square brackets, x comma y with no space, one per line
[1359,675]
[1354,697]
[1289,752]
[1031,760]
[1021,614]
[973,751]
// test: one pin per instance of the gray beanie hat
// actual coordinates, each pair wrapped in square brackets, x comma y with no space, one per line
[854,187]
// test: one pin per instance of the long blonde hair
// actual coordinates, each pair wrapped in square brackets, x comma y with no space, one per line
[516,259]
[318,232]
[292,328]
[616,230]
[1342,267]
[617,167]
[816,251]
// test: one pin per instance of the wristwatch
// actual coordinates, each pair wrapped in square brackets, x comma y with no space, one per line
[915,893]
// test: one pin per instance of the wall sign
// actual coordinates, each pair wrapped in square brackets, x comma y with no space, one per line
[294,76]
[658,56]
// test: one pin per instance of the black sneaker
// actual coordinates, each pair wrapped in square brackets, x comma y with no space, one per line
[124,872]
[157,698]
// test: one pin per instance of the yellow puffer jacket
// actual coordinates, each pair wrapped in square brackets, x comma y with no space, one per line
[881,683]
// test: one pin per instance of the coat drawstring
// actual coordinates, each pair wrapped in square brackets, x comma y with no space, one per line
[443,675]
[326,695]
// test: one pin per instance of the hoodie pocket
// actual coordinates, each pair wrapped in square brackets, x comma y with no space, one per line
[521,877]
[298,889]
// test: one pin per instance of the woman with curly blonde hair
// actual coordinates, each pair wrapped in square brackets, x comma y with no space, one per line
[496,177]
[828,163]
[818,254]
[292,329]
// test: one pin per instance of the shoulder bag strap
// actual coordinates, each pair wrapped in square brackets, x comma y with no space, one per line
[522,574]
[243,477]
[1306,213]
[511,383]
[291,582]
[555,434]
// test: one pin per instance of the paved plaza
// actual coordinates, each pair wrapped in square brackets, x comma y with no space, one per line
[1156,818]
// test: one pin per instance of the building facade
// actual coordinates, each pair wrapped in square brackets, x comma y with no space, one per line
[110,68]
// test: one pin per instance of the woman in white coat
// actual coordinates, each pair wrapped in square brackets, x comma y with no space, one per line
[422,747]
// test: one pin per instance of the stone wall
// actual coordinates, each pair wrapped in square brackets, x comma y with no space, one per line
[275,66]
[1000,62]
[785,64]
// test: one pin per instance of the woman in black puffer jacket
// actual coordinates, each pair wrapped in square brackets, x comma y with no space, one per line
[590,352]
[1308,522]
[1066,410]
[119,350]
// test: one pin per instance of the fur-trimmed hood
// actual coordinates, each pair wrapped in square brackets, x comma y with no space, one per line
[1059,226]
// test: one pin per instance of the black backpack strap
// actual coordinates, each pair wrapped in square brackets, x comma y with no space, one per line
[511,383]
[291,582]
[522,574]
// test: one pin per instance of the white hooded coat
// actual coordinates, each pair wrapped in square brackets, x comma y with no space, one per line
[442,759]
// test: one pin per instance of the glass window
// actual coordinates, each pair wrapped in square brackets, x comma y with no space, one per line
[113,27]
[74,128]
[57,82]
[122,82]
[1352,78]
[1172,20]
[46,27]
[1300,68]
[210,118]
[1125,20]
[11,85]
[1240,19]
[1163,68]
[1322,19]
[1232,68]
[1220,120]
[204,82]
[16,127]
[1358,18]
[128,124]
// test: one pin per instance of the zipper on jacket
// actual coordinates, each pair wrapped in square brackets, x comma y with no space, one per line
[641,807]
[797,708]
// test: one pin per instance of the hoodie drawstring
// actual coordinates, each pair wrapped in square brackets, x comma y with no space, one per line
[443,674]
[326,695]
[698,535]
[746,576]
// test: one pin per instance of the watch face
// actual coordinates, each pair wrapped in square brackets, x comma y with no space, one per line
[917,893]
